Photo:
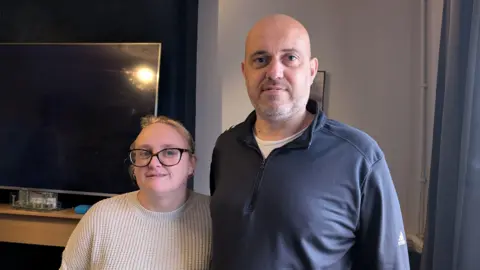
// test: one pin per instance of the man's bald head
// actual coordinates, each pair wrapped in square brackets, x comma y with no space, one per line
[277,26]
[278,67]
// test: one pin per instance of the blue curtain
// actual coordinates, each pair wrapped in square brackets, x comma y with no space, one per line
[452,235]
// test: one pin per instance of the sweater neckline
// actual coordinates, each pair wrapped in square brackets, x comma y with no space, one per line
[177,213]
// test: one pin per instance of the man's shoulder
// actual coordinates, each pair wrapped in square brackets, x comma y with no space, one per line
[229,134]
[233,129]
[359,141]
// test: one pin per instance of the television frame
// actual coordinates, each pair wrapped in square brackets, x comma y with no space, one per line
[155,113]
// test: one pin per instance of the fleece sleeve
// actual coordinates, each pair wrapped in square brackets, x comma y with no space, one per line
[212,172]
[381,240]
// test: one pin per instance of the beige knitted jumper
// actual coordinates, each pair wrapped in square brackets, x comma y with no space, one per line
[118,233]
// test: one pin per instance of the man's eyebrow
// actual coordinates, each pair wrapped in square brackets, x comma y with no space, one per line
[263,52]
[258,53]
[290,50]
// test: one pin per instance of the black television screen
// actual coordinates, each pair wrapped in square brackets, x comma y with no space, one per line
[69,112]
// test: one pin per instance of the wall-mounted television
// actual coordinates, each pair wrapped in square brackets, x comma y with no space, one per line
[69,112]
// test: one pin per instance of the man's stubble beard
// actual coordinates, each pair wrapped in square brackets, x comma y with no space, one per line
[279,112]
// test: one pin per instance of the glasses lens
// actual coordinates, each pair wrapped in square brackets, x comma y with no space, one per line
[140,157]
[170,157]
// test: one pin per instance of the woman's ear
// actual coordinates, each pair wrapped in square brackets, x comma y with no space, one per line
[193,164]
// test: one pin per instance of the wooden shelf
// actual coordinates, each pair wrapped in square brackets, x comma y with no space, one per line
[38,228]
[66,213]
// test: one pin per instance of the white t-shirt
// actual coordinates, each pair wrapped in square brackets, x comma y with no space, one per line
[268,146]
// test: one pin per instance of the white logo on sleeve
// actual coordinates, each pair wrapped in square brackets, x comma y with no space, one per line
[401,240]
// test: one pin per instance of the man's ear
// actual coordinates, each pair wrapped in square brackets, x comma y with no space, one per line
[243,69]
[313,67]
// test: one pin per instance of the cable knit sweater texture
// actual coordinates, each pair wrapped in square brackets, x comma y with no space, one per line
[119,233]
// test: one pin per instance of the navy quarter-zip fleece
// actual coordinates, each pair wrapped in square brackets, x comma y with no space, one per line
[323,201]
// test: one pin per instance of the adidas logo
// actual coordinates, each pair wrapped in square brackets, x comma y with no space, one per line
[401,239]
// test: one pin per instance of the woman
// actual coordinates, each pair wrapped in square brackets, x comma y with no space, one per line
[163,225]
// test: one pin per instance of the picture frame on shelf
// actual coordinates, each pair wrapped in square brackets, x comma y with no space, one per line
[317,90]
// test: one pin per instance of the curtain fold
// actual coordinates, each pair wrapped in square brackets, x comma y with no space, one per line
[452,235]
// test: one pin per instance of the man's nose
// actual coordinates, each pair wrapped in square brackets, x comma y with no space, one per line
[275,70]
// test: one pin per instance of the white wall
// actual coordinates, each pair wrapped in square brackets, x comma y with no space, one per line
[370,50]
[434,23]
[209,92]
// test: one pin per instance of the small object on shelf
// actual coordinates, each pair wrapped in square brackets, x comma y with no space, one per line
[82,209]
[36,201]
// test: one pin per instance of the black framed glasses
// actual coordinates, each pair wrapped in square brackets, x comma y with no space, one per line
[167,157]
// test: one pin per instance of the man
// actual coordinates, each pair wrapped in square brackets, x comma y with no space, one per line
[292,189]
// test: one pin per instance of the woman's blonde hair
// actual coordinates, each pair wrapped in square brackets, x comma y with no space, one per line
[150,120]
